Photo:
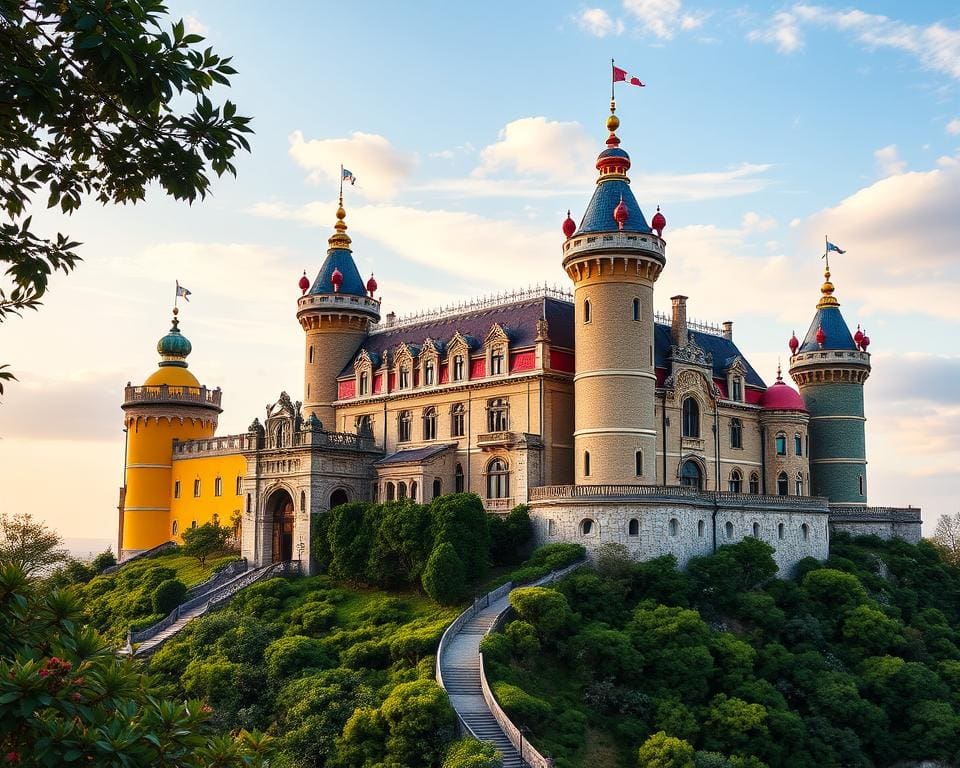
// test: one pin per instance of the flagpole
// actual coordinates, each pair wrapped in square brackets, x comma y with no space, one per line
[826,250]
[176,293]
[612,81]
[341,185]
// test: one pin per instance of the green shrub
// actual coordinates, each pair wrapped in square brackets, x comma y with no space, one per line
[496,648]
[147,621]
[663,751]
[313,618]
[459,520]
[105,559]
[367,654]
[558,555]
[546,609]
[471,753]
[295,653]
[529,573]
[509,535]
[520,705]
[168,595]
[414,641]
[420,723]
[444,578]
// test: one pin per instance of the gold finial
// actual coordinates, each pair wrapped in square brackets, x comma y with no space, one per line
[340,238]
[827,299]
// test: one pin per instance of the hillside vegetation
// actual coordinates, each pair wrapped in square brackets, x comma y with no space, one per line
[852,662]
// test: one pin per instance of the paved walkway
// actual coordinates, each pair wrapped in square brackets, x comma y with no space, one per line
[460,667]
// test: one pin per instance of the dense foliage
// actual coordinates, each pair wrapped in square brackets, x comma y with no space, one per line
[444,547]
[66,698]
[852,662]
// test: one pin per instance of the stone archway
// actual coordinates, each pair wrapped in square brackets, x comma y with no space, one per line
[281,512]
[338,497]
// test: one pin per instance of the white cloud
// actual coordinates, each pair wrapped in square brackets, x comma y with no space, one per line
[693,20]
[659,17]
[194,26]
[782,31]
[888,160]
[936,46]
[598,22]
[380,168]
[754,222]
[953,127]
[536,146]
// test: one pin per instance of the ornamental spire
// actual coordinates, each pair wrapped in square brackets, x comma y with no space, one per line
[827,299]
[340,238]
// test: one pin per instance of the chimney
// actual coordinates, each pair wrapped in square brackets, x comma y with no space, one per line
[391,319]
[728,330]
[678,332]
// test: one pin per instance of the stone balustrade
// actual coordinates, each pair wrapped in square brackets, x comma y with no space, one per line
[673,492]
[345,300]
[165,393]
[874,514]
[251,441]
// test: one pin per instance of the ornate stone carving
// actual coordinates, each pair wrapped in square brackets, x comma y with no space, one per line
[543,330]
[691,353]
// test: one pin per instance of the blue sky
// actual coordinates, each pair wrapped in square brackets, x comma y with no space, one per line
[472,129]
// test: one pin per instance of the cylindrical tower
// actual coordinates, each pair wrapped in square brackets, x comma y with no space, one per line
[613,259]
[830,367]
[336,314]
[171,405]
[785,424]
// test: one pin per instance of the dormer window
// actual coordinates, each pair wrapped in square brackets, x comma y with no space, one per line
[404,377]
[428,373]
[458,367]
[496,361]
[737,389]
[364,386]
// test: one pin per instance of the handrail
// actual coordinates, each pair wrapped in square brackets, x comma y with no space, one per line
[140,555]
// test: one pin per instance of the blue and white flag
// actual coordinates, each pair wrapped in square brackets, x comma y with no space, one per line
[832,247]
[348,176]
[182,292]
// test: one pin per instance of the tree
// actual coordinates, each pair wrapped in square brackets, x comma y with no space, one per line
[204,540]
[472,753]
[401,545]
[546,609]
[663,751]
[92,96]
[168,595]
[29,544]
[946,538]
[66,698]
[459,518]
[444,578]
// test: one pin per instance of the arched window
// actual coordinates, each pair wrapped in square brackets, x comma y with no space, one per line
[799,484]
[633,528]
[636,309]
[587,312]
[218,486]
[586,463]
[736,433]
[365,425]
[587,527]
[691,417]
[496,361]
[458,479]
[414,487]
[401,490]
[498,415]
[783,487]
[736,481]
[805,532]
[430,423]
[303,501]
[781,444]
[798,444]
[196,488]
[498,480]
[690,475]
[428,373]
[338,497]
[310,355]
[728,529]
[458,367]
[404,377]
[278,436]
[701,525]
[437,487]
[175,529]
[405,421]
[391,492]
[754,482]
[638,458]
[364,382]
[458,420]
[674,526]
[756,530]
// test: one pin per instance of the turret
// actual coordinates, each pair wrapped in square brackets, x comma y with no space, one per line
[785,424]
[830,368]
[171,405]
[614,259]
[335,314]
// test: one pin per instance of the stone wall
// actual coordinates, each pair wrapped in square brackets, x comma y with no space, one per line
[884,522]
[684,528]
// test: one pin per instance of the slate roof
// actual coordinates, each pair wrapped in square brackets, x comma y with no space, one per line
[342,259]
[835,328]
[721,349]
[599,214]
[414,454]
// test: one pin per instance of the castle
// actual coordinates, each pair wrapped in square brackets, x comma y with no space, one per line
[614,423]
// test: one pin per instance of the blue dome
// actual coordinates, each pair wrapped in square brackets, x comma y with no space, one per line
[599,214]
[834,327]
[342,259]
[613,152]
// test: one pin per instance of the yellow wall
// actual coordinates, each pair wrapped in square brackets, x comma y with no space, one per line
[149,463]
[189,509]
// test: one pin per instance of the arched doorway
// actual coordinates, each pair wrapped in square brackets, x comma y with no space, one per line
[281,513]
[338,497]
[690,475]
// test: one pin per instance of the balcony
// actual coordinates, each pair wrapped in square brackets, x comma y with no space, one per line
[691,444]
[164,393]
[496,439]
[498,505]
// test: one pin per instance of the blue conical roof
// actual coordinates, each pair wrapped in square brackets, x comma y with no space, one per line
[837,334]
[342,259]
[607,196]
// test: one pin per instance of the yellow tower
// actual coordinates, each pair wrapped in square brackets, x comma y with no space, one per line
[336,313]
[171,405]
[614,259]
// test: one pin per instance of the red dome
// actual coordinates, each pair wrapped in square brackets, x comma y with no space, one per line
[794,342]
[781,397]
[336,279]
[569,226]
[858,336]
[659,222]
[371,285]
[821,336]
[621,213]
[304,282]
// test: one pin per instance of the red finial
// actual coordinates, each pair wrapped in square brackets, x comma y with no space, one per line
[621,213]
[569,226]
[336,279]
[659,222]
[794,342]
[858,337]
[371,285]
[304,282]
[865,342]
[821,336]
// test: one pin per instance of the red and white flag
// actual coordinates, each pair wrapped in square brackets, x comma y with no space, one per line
[622,75]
